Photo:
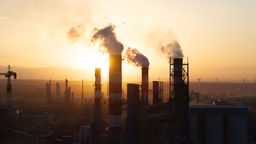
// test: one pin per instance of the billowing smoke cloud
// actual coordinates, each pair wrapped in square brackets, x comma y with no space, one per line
[108,41]
[173,49]
[75,32]
[135,57]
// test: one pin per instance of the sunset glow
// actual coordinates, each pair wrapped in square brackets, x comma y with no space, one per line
[219,40]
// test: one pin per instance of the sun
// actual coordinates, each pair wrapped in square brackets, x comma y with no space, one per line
[90,58]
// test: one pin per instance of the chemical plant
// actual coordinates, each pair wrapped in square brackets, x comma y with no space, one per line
[176,114]
[131,121]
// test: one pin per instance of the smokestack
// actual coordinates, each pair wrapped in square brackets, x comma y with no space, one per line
[156,92]
[82,91]
[144,88]
[181,99]
[97,88]
[110,44]
[115,98]
[48,91]
[133,114]
[98,122]
[177,70]
[138,59]
[66,84]
[67,92]
[57,91]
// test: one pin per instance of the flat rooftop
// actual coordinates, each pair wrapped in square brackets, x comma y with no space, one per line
[239,110]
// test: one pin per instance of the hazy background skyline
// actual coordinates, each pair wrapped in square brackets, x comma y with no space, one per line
[219,37]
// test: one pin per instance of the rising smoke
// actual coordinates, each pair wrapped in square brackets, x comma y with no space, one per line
[135,57]
[75,32]
[108,41]
[173,49]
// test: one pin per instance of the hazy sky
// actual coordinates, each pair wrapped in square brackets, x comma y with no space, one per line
[219,36]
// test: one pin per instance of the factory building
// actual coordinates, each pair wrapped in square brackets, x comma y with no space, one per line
[218,124]
[84,135]
[157,92]
[177,122]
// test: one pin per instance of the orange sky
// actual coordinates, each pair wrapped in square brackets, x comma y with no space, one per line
[219,37]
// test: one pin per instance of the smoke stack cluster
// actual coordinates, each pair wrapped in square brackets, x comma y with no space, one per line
[111,45]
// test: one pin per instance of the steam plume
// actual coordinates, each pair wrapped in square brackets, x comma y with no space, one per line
[173,49]
[135,57]
[75,32]
[108,41]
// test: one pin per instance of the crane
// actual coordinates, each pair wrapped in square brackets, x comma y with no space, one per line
[8,75]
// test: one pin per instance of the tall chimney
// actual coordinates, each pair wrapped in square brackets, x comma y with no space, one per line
[115,98]
[178,70]
[97,88]
[180,100]
[67,92]
[98,122]
[48,91]
[66,84]
[133,114]
[170,79]
[144,88]
[83,91]
[58,91]
[156,92]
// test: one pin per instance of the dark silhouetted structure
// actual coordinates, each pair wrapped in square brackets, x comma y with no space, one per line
[48,91]
[133,114]
[115,98]
[67,92]
[98,122]
[8,75]
[181,98]
[157,92]
[58,95]
[82,92]
[144,85]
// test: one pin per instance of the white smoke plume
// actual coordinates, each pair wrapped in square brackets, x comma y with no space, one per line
[108,41]
[135,57]
[173,49]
